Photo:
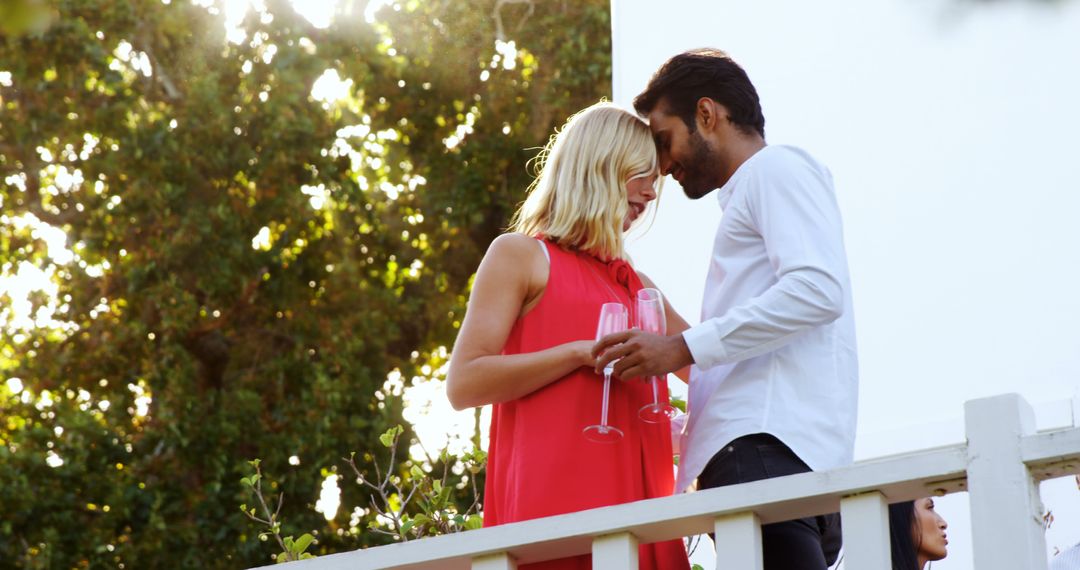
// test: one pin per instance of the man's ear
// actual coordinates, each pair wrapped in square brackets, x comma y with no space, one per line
[709,114]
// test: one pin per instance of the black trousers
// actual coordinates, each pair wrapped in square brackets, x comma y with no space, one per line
[812,543]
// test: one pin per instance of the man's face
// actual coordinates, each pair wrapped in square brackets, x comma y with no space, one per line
[685,155]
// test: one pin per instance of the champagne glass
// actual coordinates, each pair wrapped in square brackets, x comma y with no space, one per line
[613,319]
[651,318]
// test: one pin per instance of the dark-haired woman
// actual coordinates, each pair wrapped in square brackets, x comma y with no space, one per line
[917,534]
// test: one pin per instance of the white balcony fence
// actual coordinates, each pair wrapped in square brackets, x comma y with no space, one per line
[1000,467]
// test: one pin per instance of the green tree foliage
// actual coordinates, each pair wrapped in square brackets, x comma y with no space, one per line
[245,262]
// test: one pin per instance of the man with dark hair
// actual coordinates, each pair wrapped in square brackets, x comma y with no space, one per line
[774,386]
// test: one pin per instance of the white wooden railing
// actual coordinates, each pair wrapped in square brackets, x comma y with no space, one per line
[1000,466]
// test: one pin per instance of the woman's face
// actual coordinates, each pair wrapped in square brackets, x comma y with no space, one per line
[640,190]
[929,531]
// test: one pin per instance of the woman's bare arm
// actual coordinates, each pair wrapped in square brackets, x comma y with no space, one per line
[513,271]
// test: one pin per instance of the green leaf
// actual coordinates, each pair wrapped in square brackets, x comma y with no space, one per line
[474,522]
[387,438]
[443,497]
[302,543]
[678,403]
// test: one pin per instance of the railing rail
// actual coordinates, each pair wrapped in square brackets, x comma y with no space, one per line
[1000,465]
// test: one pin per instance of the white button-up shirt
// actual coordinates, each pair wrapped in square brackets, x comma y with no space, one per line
[775,351]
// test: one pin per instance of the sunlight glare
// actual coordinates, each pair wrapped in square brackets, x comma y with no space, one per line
[142,399]
[372,8]
[329,498]
[463,130]
[508,51]
[15,385]
[437,425]
[20,313]
[319,12]
[262,240]
[53,460]
[317,195]
[329,87]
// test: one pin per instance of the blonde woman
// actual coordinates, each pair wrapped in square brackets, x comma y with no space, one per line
[525,343]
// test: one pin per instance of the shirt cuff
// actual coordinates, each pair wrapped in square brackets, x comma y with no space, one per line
[704,342]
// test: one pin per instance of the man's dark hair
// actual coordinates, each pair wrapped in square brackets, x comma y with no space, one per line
[706,72]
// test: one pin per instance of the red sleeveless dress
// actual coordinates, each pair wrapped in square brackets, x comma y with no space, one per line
[539,462]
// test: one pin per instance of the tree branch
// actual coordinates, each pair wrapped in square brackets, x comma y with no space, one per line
[500,31]
[160,75]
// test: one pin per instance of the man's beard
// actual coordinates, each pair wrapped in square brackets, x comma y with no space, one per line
[696,180]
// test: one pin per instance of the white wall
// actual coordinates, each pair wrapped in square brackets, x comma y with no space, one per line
[951,128]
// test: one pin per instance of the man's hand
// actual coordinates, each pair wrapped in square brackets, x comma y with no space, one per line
[641,354]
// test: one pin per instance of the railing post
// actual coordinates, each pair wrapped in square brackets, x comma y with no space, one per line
[738,542]
[500,561]
[615,551]
[866,531]
[1076,408]
[1006,512]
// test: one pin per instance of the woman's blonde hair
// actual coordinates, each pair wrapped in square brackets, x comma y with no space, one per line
[578,199]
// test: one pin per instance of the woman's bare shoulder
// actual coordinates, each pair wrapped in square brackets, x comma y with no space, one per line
[519,251]
[515,242]
[645,279]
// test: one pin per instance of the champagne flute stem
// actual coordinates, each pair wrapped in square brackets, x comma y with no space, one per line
[604,407]
[656,391]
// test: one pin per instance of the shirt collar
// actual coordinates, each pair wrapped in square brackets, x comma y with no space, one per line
[723,195]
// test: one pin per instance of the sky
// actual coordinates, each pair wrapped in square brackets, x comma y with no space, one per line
[950,128]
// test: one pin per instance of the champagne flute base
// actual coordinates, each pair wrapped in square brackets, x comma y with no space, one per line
[657,413]
[602,434]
